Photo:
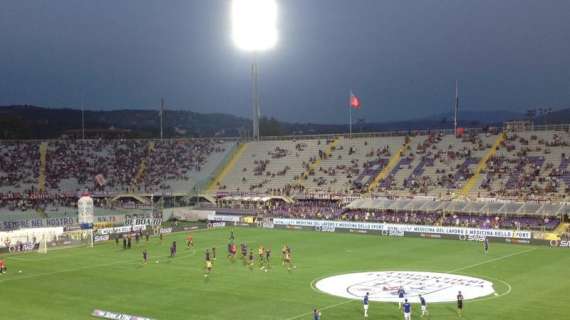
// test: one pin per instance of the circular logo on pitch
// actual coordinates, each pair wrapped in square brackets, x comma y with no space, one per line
[384,286]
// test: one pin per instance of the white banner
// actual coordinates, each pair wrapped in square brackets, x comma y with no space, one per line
[226,218]
[147,221]
[123,229]
[496,233]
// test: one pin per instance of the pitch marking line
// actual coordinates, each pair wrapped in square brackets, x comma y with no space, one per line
[491,260]
[509,288]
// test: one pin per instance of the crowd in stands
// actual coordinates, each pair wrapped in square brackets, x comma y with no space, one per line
[105,165]
[327,209]
[308,209]
[502,222]
[19,164]
[79,162]
[526,169]
[174,160]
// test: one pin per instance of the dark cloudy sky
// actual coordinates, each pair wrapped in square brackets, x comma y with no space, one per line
[400,57]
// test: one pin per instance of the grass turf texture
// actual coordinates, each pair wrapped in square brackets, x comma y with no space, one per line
[70,283]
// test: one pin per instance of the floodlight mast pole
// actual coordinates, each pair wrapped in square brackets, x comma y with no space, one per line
[255,98]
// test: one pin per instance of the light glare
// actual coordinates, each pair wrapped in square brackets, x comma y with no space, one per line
[254,24]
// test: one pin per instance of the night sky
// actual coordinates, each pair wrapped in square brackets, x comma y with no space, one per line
[400,57]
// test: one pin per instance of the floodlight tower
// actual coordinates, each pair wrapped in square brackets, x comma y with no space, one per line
[254,29]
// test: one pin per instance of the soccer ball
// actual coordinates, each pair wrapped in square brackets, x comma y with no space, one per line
[19,271]
[156,261]
[265,270]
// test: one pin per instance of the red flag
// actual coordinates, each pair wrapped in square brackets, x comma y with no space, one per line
[354,101]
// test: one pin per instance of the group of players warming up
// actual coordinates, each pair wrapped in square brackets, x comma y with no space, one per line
[248,256]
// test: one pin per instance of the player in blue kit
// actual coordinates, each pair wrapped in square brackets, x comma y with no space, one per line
[401,296]
[486,246]
[407,310]
[423,304]
[365,305]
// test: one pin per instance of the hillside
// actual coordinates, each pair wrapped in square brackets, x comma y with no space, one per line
[33,122]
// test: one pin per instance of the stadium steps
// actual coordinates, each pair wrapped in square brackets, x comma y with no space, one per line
[142,167]
[328,152]
[43,165]
[561,228]
[472,182]
[393,162]
[230,164]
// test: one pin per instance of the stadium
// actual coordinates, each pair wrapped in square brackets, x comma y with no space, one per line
[454,222]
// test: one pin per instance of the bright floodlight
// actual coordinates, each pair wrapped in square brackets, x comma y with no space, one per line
[254,24]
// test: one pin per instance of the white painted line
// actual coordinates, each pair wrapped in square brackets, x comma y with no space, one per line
[491,260]
[321,309]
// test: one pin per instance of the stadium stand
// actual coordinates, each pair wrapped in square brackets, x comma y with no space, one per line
[19,166]
[484,179]
[532,164]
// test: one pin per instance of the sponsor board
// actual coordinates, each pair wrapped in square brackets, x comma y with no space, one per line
[420,229]
[560,243]
[357,231]
[476,238]
[22,247]
[100,238]
[383,286]
[217,224]
[325,229]
[268,225]
[226,218]
[115,316]
[123,229]
[393,233]
[165,230]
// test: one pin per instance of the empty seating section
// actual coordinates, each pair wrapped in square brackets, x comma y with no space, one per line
[529,164]
[436,164]
[352,164]
[271,166]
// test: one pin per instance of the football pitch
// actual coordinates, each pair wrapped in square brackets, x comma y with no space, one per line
[529,282]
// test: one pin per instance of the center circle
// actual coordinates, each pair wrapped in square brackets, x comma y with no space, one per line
[383,286]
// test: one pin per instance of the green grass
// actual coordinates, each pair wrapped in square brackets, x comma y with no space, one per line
[70,283]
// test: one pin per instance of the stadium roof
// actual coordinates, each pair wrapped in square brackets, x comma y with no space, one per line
[460,206]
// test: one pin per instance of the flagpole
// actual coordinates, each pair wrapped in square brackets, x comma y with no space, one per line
[455,109]
[161,115]
[349,115]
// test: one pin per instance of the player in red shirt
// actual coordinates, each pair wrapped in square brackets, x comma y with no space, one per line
[190,241]
[3,268]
